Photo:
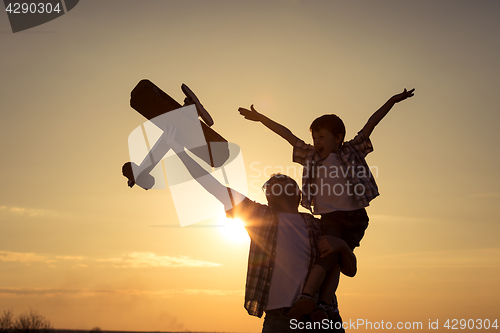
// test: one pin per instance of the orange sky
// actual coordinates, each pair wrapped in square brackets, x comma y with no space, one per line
[80,247]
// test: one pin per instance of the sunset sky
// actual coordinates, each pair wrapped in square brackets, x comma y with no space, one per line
[84,250]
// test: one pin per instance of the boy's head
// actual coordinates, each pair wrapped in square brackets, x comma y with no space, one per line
[281,188]
[328,132]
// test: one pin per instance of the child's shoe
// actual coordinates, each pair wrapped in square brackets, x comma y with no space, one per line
[303,305]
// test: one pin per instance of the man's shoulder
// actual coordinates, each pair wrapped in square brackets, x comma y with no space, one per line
[313,226]
[249,209]
[310,218]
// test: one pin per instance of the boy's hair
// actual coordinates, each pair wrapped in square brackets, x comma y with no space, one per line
[330,122]
[280,175]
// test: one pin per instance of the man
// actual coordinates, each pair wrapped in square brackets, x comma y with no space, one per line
[284,245]
[283,248]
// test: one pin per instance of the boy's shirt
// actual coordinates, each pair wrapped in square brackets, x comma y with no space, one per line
[332,180]
[352,158]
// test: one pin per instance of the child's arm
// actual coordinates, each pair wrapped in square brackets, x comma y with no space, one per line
[279,129]
[380,113]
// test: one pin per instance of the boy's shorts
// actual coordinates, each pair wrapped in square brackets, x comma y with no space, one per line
[348,225]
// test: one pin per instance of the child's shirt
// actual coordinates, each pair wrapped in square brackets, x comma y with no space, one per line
[332,180]
[351,156]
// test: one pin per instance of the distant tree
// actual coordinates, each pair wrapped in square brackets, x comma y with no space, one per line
[24,323]
[7,321]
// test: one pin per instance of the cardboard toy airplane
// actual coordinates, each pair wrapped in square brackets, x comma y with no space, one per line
[150,101]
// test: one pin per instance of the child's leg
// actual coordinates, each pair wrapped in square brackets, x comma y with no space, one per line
[330,226]
[306,304]
[328,289]
[317,276]
[330,285]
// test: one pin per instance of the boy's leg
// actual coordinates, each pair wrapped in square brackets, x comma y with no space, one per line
[330,285]
[328,289]
[306,304]
[356,222]
[317,276]
[331,226]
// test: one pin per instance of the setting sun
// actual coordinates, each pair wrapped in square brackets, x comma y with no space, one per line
[234,230]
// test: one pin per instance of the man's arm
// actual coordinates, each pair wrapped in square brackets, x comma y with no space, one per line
[382,112]
[279,129]
[329,244]
[204,178]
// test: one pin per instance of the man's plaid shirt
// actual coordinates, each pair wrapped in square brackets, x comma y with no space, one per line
[352,157]
[261,223]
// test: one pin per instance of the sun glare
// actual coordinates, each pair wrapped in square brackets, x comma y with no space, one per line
[234,231]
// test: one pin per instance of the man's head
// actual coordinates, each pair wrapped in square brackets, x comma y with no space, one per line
[328,132]
[282,191]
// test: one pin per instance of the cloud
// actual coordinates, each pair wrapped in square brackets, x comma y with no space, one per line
[214,292]
[53,292]
[70,257]
[467,258]
[150,259]
[23,211]
[29,258]
[24,257]
[380,218]
[487,195]
[129,260]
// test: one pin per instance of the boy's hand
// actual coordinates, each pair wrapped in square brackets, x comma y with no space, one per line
[279,129]
[404,95]
[251,114]
[381,113]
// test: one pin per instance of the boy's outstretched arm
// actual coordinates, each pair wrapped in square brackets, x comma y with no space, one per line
[279,129]
[380,113]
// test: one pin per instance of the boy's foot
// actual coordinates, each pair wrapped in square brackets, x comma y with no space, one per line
[321,312]
[192,99]
[304,305]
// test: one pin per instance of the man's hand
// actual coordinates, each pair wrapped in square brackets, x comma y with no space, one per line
[404,95]
[251,114]
[329,244]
